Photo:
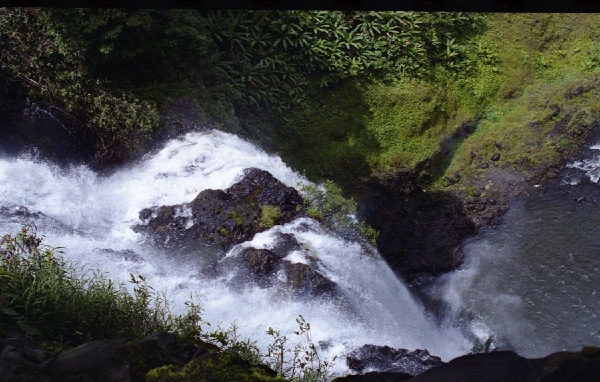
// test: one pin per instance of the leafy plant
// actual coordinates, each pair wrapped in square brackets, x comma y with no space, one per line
[303,362]
[53,68]
[42,295]
[327,204]
[269,216]
[482,347]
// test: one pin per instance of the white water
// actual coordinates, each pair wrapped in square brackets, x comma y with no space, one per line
[93,212]
[533,283]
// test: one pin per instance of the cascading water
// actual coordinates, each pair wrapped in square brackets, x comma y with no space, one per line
[91,218]
[534,282]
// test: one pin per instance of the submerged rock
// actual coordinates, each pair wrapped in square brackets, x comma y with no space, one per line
[304,280]
[224,218]
[273,268]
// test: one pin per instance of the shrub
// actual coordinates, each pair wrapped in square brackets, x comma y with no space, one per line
[269,216]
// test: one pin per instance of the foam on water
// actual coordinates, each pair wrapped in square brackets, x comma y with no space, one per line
[374,307]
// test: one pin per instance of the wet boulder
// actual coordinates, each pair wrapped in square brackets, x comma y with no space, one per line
[305,280]
[274,268]
[224,217]
[390,360]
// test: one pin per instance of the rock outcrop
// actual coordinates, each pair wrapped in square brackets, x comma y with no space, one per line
[583,366]
[419,232]
[224,218]
[390,360]
[160,357]
[271,268]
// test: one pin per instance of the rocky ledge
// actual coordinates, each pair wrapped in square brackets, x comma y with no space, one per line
[224,218]
[161,357]
[500,366]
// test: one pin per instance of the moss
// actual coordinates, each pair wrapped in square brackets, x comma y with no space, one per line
[520,66]
[269,216]
[214,368]
[223,231]
[237,217]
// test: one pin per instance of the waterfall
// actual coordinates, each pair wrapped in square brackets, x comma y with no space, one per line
[90,217]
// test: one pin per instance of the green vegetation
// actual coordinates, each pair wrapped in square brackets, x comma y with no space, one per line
[42,295]
[327,204]
[111,71]
[225,368]
[269,216]
[46,298]
[515,95]
[483,347]
[347,96]
[53,68]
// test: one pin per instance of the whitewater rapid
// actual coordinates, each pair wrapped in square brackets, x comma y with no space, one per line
[87,214]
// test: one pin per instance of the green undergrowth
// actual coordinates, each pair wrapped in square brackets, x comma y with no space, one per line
[516,97]
[43,296]
[537,115]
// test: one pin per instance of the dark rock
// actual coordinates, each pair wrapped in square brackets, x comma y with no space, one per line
[555,111]
[115,360]
[418,231]
[552,173]
[126,254]
[509,366]
[534,125]
[260,266]
[375,376]
[387,359]
[267,268]
[260,261]
[223,218]
[498,145]
[259,187]
[285,244]
[20,360]
[484,165]
[305,281]
[495,157]
[575,92]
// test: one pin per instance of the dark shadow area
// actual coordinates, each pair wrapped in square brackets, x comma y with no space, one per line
[419,232]
[328,138]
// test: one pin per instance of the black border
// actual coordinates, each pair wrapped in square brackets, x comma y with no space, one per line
[374,5]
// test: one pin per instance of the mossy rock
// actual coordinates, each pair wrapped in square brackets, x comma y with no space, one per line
[214,368]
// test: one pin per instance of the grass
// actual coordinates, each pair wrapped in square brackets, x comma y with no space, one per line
[542,58]
[43,296]
[524,64]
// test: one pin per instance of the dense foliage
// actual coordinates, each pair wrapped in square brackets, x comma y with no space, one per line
[53,68]
[110,71]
